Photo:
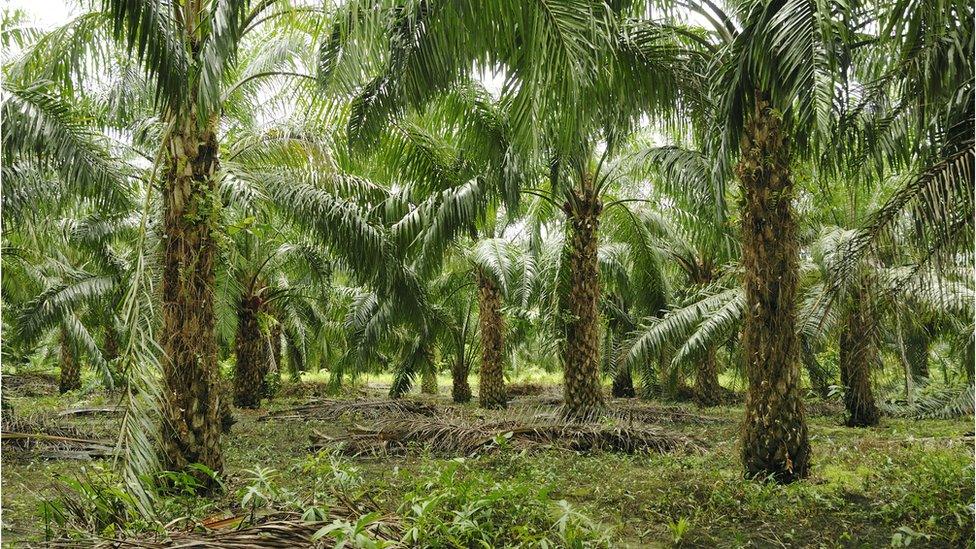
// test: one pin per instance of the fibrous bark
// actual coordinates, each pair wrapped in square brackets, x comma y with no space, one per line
[253,357]
[858,353]
[460,389]
[775,440]
[708,392]
[582,394]
[623,383]
[70,368]
[917,341]
[111,343]
[491,388]
[111,352]
[968,359]
[274,362]
[191,424]
[428,381]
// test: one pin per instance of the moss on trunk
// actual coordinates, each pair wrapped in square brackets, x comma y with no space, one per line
[775,442]
[582,394]
[858,354]
[191,424]
[491,387]
[70,367]
[253,357]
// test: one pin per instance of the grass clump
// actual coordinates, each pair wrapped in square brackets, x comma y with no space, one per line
[456,505]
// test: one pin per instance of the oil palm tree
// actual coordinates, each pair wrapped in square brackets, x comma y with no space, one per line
[192,71]
[772,83]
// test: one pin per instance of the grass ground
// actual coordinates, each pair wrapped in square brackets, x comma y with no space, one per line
[903,482]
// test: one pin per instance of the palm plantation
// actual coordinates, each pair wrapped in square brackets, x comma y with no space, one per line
[651,247]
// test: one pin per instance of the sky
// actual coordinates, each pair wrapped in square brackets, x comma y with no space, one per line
[46,13]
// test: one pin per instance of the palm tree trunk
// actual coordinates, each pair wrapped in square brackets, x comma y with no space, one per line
[820,379]
[708,392]
[70,368]
[491,388]
[460,389]
[917,341]
[428,381]
[191,424]
[274,362]
[252,354]
[775,439]
[968,359]
[858,353]
[623,383]
[582,394]
[111,352]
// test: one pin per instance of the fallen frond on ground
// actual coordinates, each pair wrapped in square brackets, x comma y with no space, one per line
[935,402]
[305,390]
[283,531]
[30,384]
[515,390]
[397,435]
[369,408]
[823,408]
[631,411]
[91,504]
[535,401]
[51,440]
[95,410]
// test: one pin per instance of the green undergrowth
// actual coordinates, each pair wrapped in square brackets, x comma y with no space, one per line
[905,483]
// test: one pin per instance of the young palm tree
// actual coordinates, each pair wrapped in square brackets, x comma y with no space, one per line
[272,282]
[459,175]
[493,266]
[71,277]
[692,234]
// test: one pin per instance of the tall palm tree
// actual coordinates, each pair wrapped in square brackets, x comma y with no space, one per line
[186,50]
[691,232]
[191,71]
[492,259]
[772,82]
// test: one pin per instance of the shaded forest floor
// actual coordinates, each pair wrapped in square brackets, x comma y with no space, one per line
[905,481]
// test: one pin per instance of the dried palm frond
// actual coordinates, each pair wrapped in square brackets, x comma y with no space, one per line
[824,408]
[283,531]
[91,411]
[630,412]
[525,389]
[453,436]
[536,401]
[272,529]
[30,384]
[305,390]
[50,439]
[940,402]
[367,408]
